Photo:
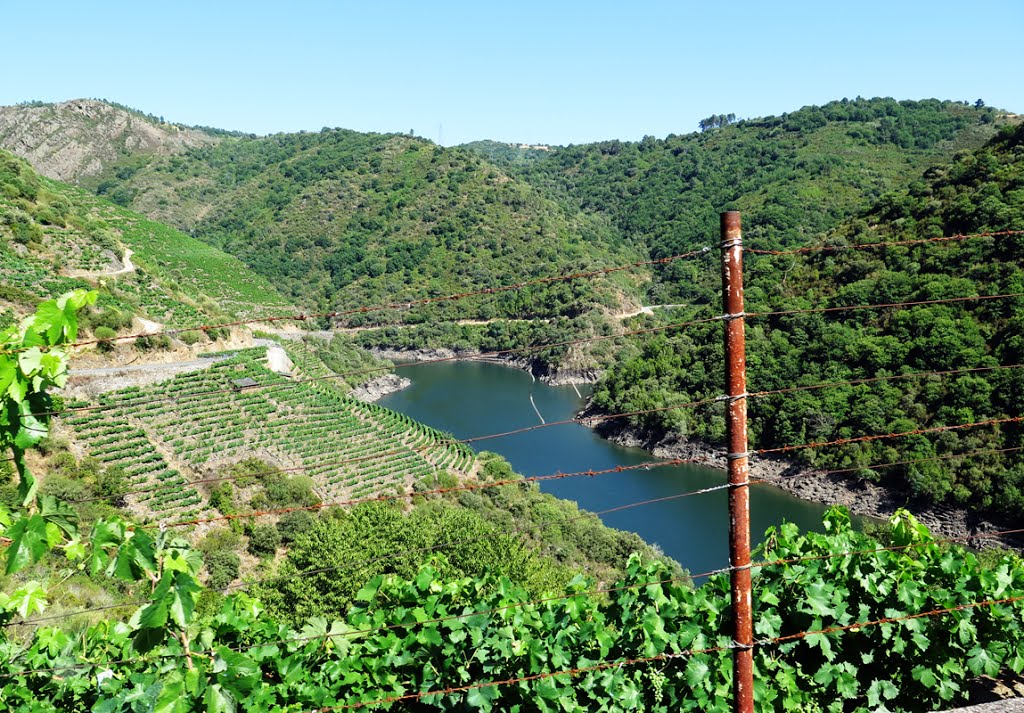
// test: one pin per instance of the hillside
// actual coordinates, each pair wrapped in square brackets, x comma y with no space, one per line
[341,219]
[78,138]
[162,444]
[54,237]
[794,176]
[978,191]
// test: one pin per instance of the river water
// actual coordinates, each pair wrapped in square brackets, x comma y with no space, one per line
[469,399]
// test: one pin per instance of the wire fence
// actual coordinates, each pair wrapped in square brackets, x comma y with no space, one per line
[739,646]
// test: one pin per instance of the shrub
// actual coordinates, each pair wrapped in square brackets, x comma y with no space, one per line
[222,497]
[223,567]
[153,342]
[280,491]
[292,524]
[264,540]
[105,333]
[111,484]
[191,337]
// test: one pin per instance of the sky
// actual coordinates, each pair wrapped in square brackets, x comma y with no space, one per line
[535,72]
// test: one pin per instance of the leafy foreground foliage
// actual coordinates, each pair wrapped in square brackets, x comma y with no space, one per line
[390,643]
[32,359]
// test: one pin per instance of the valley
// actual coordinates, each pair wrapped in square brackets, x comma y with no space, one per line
[217,420]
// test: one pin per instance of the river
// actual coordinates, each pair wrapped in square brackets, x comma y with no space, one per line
[470,398]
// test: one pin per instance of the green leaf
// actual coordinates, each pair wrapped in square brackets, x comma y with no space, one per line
[217,700]
[105,535]
[154,615]
[367,593]
[483,697]
[925,676]
[769,624]
[819,600]
[184,593]
[236,672]
[697,672]
[30,361]
[28,599]
[59,513]
[30,542]
[980,661]
[879,690]
[49,321]
[172,697]
[8,370]
[75,550]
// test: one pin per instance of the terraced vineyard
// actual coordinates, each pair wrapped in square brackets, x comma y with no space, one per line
[349,448]
[55,238]
[346,366]
[33,276]
[197,270]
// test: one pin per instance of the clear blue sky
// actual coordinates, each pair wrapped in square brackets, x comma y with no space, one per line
[551,72]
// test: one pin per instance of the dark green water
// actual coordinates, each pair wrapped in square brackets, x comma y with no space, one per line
[473,398]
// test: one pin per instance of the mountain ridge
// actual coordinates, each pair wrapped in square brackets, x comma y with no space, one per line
[69,140]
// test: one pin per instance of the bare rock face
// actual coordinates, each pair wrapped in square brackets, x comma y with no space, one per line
[77,138]
[379,387]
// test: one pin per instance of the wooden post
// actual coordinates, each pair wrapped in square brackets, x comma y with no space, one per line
[738,464]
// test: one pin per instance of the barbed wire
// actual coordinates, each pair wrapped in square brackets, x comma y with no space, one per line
[659,657]
[880,466]
[504,352]
[948,540]
[292,383]
[589,421]
[886,305]
[355,564]
[893,243]
[665,656]
[902,434]
[321,506]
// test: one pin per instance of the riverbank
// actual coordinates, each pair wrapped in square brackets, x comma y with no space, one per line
[538,368]
[860,496]
[379,387]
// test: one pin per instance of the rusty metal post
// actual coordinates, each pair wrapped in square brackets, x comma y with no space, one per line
[739,467]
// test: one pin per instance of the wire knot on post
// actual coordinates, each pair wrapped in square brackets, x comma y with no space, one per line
[737,456]
[726,244]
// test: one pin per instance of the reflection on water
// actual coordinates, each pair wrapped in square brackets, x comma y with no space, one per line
[475,398]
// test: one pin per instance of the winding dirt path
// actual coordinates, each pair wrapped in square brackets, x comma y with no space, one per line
[126,262]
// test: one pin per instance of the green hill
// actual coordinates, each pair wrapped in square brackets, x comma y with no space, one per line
[342,219]
[978,191]
[54,237]
[794,176]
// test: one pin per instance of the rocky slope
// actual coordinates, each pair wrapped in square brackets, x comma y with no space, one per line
[78,138]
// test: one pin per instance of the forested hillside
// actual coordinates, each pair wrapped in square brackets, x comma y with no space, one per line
[794,176]
[979,191]
[341,219]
